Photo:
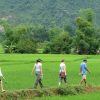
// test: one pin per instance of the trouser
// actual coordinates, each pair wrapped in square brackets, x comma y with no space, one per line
[38,80]
[63,78]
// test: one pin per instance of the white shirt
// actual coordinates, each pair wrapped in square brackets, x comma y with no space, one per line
[38,67]
[0,73]
[62,67]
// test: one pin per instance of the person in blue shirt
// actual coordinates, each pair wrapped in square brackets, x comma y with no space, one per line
[83,71]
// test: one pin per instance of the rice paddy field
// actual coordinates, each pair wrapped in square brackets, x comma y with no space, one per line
[17,70]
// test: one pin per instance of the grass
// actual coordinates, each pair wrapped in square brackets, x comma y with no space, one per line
[1,49]
[17,69]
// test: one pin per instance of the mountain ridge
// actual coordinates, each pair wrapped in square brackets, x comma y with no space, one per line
[47,12]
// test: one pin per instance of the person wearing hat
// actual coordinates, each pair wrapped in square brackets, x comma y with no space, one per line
[38,72]
[83,71]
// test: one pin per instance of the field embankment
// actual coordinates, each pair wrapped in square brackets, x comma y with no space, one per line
[27,94]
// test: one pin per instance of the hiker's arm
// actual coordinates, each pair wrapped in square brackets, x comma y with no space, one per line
[33,69]
[65,70]
[80,71]
[87,69]
[41,70]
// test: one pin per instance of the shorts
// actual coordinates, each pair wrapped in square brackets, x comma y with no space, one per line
[83,76]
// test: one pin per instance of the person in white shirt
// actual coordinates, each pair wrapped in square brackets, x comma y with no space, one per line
[62,72]
[1,81]
[38,72]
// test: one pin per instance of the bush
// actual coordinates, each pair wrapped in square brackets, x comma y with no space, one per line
[69,90]
[26,46]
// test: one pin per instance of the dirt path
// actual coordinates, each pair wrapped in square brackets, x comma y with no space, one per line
[90,89]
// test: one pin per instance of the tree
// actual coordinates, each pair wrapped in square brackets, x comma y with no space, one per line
[19,39]
[85,39]
[8,38]
[41,33]
[53,32]
[26,46]
[60,44]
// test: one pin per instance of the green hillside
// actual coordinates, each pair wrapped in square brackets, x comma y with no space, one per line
[47,12]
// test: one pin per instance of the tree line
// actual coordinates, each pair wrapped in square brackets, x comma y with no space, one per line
[26,38]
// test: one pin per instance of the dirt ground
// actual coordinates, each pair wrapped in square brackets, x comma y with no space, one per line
[90,89]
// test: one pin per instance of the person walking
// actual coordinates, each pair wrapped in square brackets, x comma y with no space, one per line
[83,71]
[62,74]
[1,80]
[38,72]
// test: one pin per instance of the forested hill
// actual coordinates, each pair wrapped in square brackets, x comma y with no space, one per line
[48,12]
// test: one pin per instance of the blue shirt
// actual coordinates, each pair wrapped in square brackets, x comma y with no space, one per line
[83,68]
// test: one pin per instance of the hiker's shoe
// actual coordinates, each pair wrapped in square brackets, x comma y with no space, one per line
[3,90]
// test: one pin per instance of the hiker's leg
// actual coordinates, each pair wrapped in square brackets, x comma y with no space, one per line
[36,81]
[81,80]
[1,83]
[65,79]
[60,79]
[40,82]
[84,79]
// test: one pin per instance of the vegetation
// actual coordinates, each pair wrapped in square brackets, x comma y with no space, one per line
[86,40]
[60,44]
[46,12]
[27,38]
[17,69]
[54,27]
[91,96]
[30,93]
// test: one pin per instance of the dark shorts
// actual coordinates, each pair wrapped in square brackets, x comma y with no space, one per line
[62,75]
